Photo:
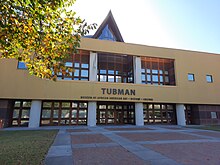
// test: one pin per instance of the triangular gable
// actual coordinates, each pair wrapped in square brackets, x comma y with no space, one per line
[108,30]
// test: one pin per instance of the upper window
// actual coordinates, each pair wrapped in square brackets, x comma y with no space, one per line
[107,34]
[209,78]
[157,71]
[79,64]
[21,65]
[191,77]
[115,68]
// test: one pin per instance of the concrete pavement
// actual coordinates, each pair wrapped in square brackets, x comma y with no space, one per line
[150,145]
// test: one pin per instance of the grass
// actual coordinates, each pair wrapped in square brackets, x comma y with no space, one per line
[25,147]
[209,127]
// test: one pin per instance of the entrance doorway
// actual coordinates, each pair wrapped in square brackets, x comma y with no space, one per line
[115,113]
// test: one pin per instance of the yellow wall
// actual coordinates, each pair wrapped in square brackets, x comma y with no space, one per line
[18,84]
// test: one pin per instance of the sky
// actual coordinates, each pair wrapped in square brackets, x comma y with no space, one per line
[181,24]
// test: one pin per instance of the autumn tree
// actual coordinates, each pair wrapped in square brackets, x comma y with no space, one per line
[41,33]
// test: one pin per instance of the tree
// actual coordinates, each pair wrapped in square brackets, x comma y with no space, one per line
[41,33]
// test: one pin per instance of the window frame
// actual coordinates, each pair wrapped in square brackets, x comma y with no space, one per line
[193,76]
[58,106]
[211,78]
[115,68]
[157,71]
[77,63]
[21,108]
[19,64]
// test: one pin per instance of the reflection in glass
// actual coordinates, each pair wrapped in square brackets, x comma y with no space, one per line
[21,65]
[74,105]
[68,64]
[76,72]
[143,77]
[209,78]
[85,65]
[102,71]
[83,105]
[55,113]
[26,104]
[56,104]
[74,113]
[25,113]
[46,113]
[102,114]
[148,78]
[103,78]
[84,73]
[154,71]
[17,103]
[16,113]
[67,78]
[107,34]
[82,114]
[118,79]
[110,71]
[110,78]
[65,114]
[155,78]
[65,104]
[191,77]
[76,65]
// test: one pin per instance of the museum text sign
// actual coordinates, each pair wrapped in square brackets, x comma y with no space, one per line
[117,94]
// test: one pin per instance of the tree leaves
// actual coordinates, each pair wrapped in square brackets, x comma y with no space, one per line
[41,33]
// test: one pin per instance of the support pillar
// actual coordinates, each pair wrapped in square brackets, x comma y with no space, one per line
[180,114]
[93,66]
[91,120]
[35,112]
[139,114]
[137,70]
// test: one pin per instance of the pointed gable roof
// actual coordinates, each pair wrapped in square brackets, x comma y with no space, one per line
[109,22]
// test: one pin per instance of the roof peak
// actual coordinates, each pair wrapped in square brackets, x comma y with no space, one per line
[112,30]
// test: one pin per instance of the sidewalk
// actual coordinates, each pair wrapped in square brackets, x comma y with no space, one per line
[149,145]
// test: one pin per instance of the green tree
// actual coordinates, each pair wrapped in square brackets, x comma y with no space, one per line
[41,33]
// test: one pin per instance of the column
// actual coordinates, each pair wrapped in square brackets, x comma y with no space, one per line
[137,70]
[180,114]
[139,114]
[93,66]
[91,120]
[34,120]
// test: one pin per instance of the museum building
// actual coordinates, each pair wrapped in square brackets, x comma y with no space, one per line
[114,82]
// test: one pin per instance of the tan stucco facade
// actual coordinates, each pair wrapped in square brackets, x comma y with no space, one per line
[18,84]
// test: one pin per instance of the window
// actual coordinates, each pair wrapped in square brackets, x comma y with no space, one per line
[79,64]
[213,115]
[157,71]
[107,34]
[64,113]
[115,113]
[21,113]
[191,77]
[159,113]
[209,78]
[21,65]
[115,68]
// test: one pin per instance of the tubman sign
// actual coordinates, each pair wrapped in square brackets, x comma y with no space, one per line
[113,91]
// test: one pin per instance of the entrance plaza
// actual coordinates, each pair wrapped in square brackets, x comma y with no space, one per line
[147,145]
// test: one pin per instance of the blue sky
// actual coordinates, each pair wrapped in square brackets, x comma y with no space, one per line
[181,24]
